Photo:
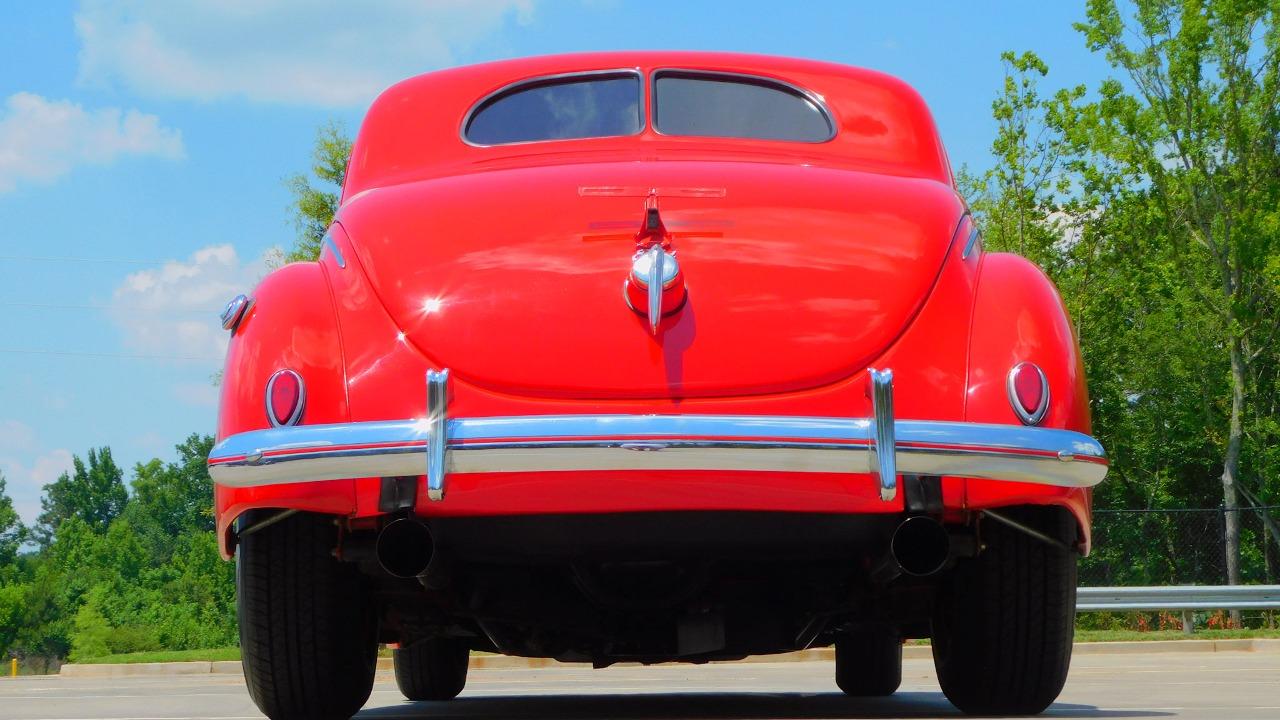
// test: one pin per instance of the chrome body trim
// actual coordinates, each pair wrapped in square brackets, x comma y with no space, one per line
[969,244]
[733,443]
[437,423]
[233,312]
[817,100]
[883,443]
[1012,391]
[296,415]
[327,242]
[567,76]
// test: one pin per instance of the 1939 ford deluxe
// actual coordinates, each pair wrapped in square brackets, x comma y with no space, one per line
[650,357]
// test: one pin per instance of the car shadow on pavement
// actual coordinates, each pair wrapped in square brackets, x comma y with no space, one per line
[713,706]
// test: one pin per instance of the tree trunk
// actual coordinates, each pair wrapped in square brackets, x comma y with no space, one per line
[1231,469]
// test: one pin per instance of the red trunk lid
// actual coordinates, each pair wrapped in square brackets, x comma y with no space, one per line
[797,276]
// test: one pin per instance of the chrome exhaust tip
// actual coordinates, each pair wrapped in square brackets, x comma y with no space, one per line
[920,546]
[405,547]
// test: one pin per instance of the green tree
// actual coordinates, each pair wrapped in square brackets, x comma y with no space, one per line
[12,533]
[173,498]
[1073,191]
[315,205]
[94,493]
[151,578]
[11,599]
[1016,200]
[1193,124]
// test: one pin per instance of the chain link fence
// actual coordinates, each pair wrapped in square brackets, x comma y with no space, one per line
[1182,546]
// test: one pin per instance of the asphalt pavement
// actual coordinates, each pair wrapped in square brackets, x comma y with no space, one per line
[1228,685]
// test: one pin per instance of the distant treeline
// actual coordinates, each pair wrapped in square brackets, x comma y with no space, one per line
[115,571]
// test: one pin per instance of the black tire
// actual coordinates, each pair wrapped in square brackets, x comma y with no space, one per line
[434,669]
[308,631]
[1004,621]
[869,662]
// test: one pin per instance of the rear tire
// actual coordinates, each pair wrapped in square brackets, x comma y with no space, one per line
[308,630]
[1004,621]
[434,669]
[869,662]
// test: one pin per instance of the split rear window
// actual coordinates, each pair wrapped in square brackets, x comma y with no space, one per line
[685,102]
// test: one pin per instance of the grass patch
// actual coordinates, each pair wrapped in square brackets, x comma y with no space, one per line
[1132,635]
[153,656]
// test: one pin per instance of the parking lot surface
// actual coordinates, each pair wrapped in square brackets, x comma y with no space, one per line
[1226,685]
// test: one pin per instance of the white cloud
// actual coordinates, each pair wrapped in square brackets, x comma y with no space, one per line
[173,310]
[42,140]
[330,52]
[26,481]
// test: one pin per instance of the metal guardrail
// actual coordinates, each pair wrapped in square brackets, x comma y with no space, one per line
[1179,597]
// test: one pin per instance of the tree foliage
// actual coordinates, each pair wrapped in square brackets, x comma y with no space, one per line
[1152,200]
[93,493]
[120,572]
[170,498]
[315,205]
[1191,125]
[12,533]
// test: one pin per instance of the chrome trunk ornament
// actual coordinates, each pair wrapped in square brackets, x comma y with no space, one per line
[655,283]
[654,276]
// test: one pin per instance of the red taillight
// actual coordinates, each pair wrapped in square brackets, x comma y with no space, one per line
[285,398]
[1028,392]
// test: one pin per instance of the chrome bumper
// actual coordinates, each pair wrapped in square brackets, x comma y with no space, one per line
[437,447]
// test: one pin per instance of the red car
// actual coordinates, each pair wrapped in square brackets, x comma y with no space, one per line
[651,357]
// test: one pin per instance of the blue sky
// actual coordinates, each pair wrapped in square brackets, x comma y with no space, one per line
[143,147]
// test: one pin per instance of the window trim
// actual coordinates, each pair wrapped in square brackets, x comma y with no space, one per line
[556,78]
[818,101]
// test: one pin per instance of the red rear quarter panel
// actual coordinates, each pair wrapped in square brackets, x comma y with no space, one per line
[290,325]
[1019,315]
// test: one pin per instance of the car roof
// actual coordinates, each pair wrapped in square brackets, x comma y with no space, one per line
[413,130]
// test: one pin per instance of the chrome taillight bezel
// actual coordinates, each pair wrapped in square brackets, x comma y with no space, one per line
[294,417]
[1027,418]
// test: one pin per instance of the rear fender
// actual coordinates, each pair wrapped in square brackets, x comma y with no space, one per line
[290,325]
[1019,316]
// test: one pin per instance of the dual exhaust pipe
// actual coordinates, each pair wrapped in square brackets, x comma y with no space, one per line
[920,546]
[405,548]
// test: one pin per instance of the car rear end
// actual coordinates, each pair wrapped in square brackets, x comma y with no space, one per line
[689,380]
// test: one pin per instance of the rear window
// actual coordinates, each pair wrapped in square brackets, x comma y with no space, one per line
[715,105]
[579,106]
